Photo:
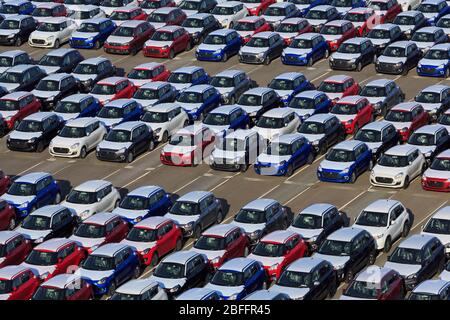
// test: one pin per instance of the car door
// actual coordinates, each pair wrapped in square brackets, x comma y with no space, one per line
[67,257]
[43,197]
[319,283]
[414,159]
[395,222]
[15,250]
[197,272]
[120,266]
[357,256]
[23,286]
[251,276]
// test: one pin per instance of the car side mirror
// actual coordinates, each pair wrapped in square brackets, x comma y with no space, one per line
[316,283]
[99,199]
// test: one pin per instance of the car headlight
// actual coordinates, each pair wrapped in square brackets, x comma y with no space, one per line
[331,58]
[50,38]
[225,21]
[399,175]
[346,170]
[157,130]
[102,281]
[50,99]
[260,55]
[24,205]
[11,36]
[137,219]
[419,65]
[196,34]
[447,246]
[428,154]
[90,39]
[319,168]
[352,60]
[233,296]
[215,260]
[218,51]
[122,150]
[399,64]
[39,240]
[175,289]
[253,114]
[189,226]
[74,146]
[32,140]
[282,163]
[84,214]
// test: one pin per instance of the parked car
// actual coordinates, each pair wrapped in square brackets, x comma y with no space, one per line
[262,48]
[398,58]
[383,35]
[92,33]
[436,227]
[46,11]
[289,28]
[219,45]
[85,13]
[388,9]
[407,117]
[431,290]
[231,84]
[148,72]
[21,78]
[60,61]
[308,103]
[191,7]
[353,54]
[77,106]
[337,31]
[108,6]
[305,49]
[436,62]
[321,14]
[276,122]
[257,101]
[433,10]
[15,248]
[339,86]
[14,107]
[129,37]
[410,21]
[379,136]
[435,99]
[53,88]
[383,94]
[16,30]
[226,119]
[427,37]
[119,16]
[430,140]
[199,294]
[363,19]
[229,12]
[52,33]
[198,100]
[16,7]
[154,94]
[166,16]
[18,282]
[185,77]
[288,84]
[167,41]
[249,26]
[199,25]
[257,7]
[354,112]
[90,71]
[140,289]
[119,111]
[113,88]
[65,286]
[13,58]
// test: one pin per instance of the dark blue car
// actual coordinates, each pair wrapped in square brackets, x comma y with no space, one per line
[119,111]
[199,100]
[343,6]
[185,77]
[92,33]
[309,103]
[13,7]
[433,10]
[142,203]
[219,45]
[77,106]
[288,84]
[226,118]
[305,49]
[305,5]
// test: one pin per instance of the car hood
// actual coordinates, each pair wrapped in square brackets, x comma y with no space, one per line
[189,106]
[146,103]
[158,25]
[358,24]
[283,93]
[4,32]
[430,173]
[306,233]
[18,200]
[425,149]
[33,234]
[7,114]
[331,165]
[109,122]
[139,82]
[292,292]
[404,269]
[113,145]
[374,100]
[84,77]
[444,238]
[379,42]
[423,44]
[168,148]
[210,254]
[168,283]
[251,5]
[383,171]
[181,219]
[343,9]
[430,106]
[83,35]
[225,291]
[445,275]
[313,137]
[9,86]
[211,47]
[158,44]
[49,69]
[117,39]
[108,10]
[337,261]
[267,133]
[345,56]
[41,34]
[391,60]
[40,270]
[316,22]
[408,27]
[332,37]
[20,135]
[3,69]
[271,158]
[44,94]
[253,50]
[433,62]
[249,227]
[79,208]
[139,246]
[94,275]
[429,15]
[130,214]
[66,116]
[266,261]
[400,125]
[295,51]
[374,231]
[88,242]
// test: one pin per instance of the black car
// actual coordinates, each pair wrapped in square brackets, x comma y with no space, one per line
[55,87]
[90,71]
[379,137]
[200,25]
[231,84]
[353,54]
[35,132]
[417,258]
[308,279]
[15,30]
[384,34]
[398,58]
[322,130]
[410,21]
[349,250]
[54,221]
[257,101]
[262,48]
[262,216]
[60,60]
[23,77]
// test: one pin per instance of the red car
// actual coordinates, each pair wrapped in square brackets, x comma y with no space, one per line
[133,13]
[14,107]
[290,28]
[64,287]
[188,146]
[257,7]
[166,42]
[99,229]
[151,5]
[55,256]
[363,19]
[167,16]
[146,72]
[277,250]
[353,112]
[119,41]
[113,88]
[153,238]
[5,181]
[7,216]
[14,248]
[407,117]
[48,10]
[18,283]
[437,176]
[250,26]
[337,31]
[339,86]
[221,243]
[387,9]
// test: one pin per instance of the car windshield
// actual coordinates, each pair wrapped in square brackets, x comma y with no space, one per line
[250,216]
[22,189]
[444,119]
[331,30]
[223,11]
[404,20]
[279,149]
[146,94]
[151,4]
[132,202]
[267,249]
[394,52]
[249,100]
[362,289]
[110,113]
[191,97]
[441,164]
[185,208]
[270,122]
[373,219]
[9,9]
[162,36]
[104,89]
[245,26]
[68,107]
[373,91]
[9,105]
[42,12]
[81,15]
[49,293]
[157,17]
[311,127]
[406,256]
[331,87]
[11,77]
[281,84]
[72,132]
[388,160]
[222,82]
[126,296]
[258,42]
[118,136]
[48,85]
[422,139]
[89,27]
[42,258]
[301,44]
[382,6]
[428,8]
[443,23]
[49,27]
[215,39]
[335,248]
[140,74]
[368,135]
[85,68]
[5,286]
[232,144]
[424,296]
[429,97]
[438,226]
[182,140]
[210,243]
[98,263]
[124,32]
[192,23]
[36,222]
[217,119]
[287,27]
[423,37]
[340,155]
[90,230]
[138,234]
[30,126]
[112,3]
[308,221]
[355,17]
[120,15]
[155,117]
[228,278]
[6,61]
[190,5]
[349,48]
[316,15]
[81,197]
[294,279]
[169,270]
[9,25]
[379,34]
[399,116]
[179,77]
[302,103]
[344,108]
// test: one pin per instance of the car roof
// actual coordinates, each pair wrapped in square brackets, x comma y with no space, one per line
[152,222]
[323,7]
[264,34]
[62,280]
[225,109]
[163,107]
[194,196]
[349,145]
[385,26]
[92,185]
[430,29]
[237,264]
[11,53]
[84,8]
[376,125]
[15,2]
[337,78]
[278,112]
[171,28]
[433,286]
[336,23]
[382,205]
[95,21]
[432,1]
[379,82]
[308,35]
[229,73]
[9,272]
[81,122]
[263,295]
[321,117]
[109,249]
[195,294]
[128,125]
[250,19]
[144,191]
[406,106]
[39,116]
[94,61]
[353,99]
[199,88]
[181,256]
[373,274]
[278,236]
[53,244]
[189,69]
[192,129]
[293,20]
[220,230]
[32,177]
[311,94]
[444,154]
[199,15]
[438,88]
[317,209]
[154,85]
[259,204]
[228,4]
[101,218]
[48,210]
[305,264]
[57,76]
[148,65]
[429,128]
[17,95]
[345,234]
[119,103]
[17,17]
[289,75]
[258,91]
[77,97]
[360,10]
[409,13]
[165,9]
[126,9]
[57,20]
[21,68]
[7,235]
[137,286]
[416,241]
[287,138]
[356,40]
[112,80]
[222,32]
[241,134]
[401,150]
[401,44]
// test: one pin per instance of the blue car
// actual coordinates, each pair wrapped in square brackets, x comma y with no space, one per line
[345,162]
[185,77]
[433,10]
[109,266]
[309,103]
[92,33]
[32,191]
[436,62]
[119,111]
[305,5]
[285,154]
[237,278]
[77,106]
[16,7]
[144,202]
[226,118]
[288,84]
[219,45]
[305,49]
[199,100]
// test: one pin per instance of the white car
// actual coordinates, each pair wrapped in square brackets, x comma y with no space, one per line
[409,4]
[91,197]
[397,167]
[439,226]
[108,6]
[386,220]
[229,12]
[52,33]
[276,122]
[140,289]
[77,138]
[165,119]
[82,13]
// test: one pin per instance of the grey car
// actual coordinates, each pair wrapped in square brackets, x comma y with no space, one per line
[153,93]
[90,71]
[431,290]
[13,58]
[262,48]
[258,100]
[231,84]
[384,34]
[383,94]
[427,37]
[410,21]
[435,99]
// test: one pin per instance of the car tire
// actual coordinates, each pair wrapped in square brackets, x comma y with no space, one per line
[188,46]
[387,245]
[137,272]
[349,276]
[372,257]
[58,198]
[112,288]
[171,54]
[155,260]
[322,148]
[310,158]
[289,170]
[353,178]
[12,223]
[384,110]
[165,137]
[179,244]
[224,57]
[266,61]
[56,45]
[151,145]
[97,45]
[310,62]
[243,167]
[405,71]
[447,73]
[326,54]
[40,147]
[197,232]
[406,229]
[83,153]
[370,167]
[130,157]
[18,42]
[406,183]
[134,52]
[424,167]
[219,217]
[359,66]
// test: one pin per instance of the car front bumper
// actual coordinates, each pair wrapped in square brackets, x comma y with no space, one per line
[64,152]
[110,155]
[389,68]
[343,64]
[270,169]
[209,56]
[117,49]
[40,43]
[21,145]
[251,58]
[291,59]
[429,71]
[154,52]
[387,182]
[81,43]
[334,176]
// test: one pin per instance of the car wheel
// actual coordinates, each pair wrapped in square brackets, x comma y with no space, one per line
[349,276]
[406,183]
[155,260]
[137,272]
[289,170]
[322,148]
[310,62]
[356,128]
[246,251]
[133,51]
[232,100]
[424,167]
[372,257]
[359,66]
[165,137]
[406,229]
[18,42]
[310,158]
[219,217]
[189,46]
[224,57]
[327,53]
[12,223]
[58,198]
[40,147]
[186,123]
[197,232]
[171,54]
[56,44]
[83,153]
[447,73]
[179,244]
[112,288]
[387,245]
[405,70]
[353,178]
[130,157]
[151,145]
[243,167]
[266,61]
[97,45]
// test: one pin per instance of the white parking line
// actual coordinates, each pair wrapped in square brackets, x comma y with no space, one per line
[321,76]
[225,181]
[30,168]
[299,194]
[267,192]
[110,174]
[354,198]
[430,214]
[138,178]
[185,185]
